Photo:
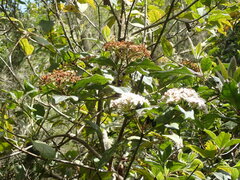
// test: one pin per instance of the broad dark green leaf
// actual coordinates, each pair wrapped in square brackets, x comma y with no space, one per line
[173,72]
[146,64]
[103,61]
[46,26]
[95,79]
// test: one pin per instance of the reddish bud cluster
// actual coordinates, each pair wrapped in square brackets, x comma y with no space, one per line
[127,49]
[59,77]
[191,65]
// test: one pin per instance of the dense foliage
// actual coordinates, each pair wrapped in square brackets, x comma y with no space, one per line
[131,89]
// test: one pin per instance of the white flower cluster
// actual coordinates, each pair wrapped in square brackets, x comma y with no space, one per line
[177,95]
[128,101]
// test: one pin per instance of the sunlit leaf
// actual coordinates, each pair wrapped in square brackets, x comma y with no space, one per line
[90,2]
[26,46]
[106,31]
[155,14]
[167,47]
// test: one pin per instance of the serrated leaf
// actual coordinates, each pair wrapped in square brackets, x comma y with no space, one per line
[106,31]
[26,46]
[167,47]
[44,149]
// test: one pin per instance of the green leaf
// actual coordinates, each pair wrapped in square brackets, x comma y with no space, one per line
[145,173]
[203,153]
[26,46]
[106,31]
[223,69]
[167,47]
[210,133]
[95,127]
[13,19]
[206,2]
[44,149]
[167,152]
[155,14]
[230,170]
[46,26]
[42,41]
[198,50]
[231,93]
[146,64]
[95,79]
[173,72]
[232,142]
[103,61]
[175,166]
[222,139]
[206,64]
[60,98]
[232,66]
[236,75]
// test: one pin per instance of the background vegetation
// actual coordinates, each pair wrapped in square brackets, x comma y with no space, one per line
[131,89]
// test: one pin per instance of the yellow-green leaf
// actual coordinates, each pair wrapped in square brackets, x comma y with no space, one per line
[155,14]
[106,31]
[90,2]
[167,47]
[26,46]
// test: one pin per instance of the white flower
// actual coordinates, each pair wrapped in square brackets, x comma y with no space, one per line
[176,95]
[128,101]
